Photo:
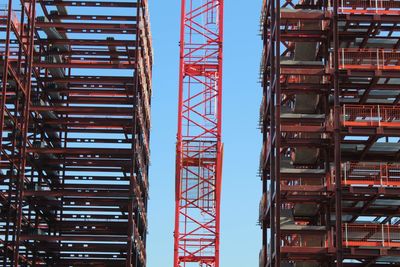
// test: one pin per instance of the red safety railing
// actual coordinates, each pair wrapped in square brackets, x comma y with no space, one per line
[371,115]
[381,7]
[354,235]
[371,174]
[371,235]
[369,59]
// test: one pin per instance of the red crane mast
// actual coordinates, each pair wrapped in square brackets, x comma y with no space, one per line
[199,147]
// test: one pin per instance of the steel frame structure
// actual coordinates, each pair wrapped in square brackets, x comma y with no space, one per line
[74,137]
[330,124]
[199,146]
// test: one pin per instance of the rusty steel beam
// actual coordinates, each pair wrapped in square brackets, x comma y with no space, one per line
[325,65]
[74,148]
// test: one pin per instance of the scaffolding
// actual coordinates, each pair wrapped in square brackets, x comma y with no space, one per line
[74,136]
[330,122]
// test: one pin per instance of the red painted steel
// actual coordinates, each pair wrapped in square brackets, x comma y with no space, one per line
[330,122]
[369,59]
[371,174]
[371,235]
[199,146]
[371,115]
[75,98]
[370,7]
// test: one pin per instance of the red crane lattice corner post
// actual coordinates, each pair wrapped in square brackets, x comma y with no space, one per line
[199,146]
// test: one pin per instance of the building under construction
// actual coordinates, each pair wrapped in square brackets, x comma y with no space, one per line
[330,119]
[75,119]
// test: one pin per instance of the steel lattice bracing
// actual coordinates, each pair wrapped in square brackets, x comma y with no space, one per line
[75,123]
[199,147]
[330,122]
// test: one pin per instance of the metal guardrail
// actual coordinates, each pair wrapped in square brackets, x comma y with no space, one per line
[371,235]
[371,115]
[354,235]
[369,59]
[382,7]
[371,174]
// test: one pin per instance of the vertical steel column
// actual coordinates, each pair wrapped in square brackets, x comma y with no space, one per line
[24,131]
[199,145]
[220,145]
[132,181]
[5,75]
[179,151]
[337,138]
[278,100]
[272,92]
[2,120]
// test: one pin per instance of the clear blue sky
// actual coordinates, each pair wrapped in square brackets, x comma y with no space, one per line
[240,234]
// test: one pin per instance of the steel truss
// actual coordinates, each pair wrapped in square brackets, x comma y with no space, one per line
[74,137]
[330,123]
[199,146]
